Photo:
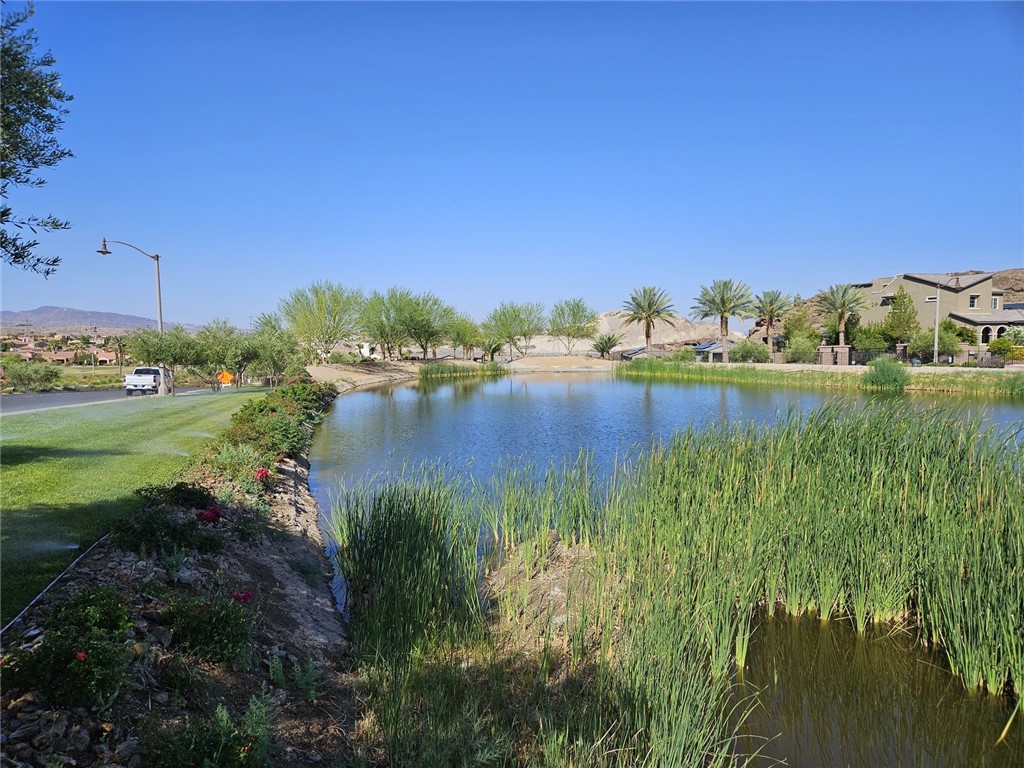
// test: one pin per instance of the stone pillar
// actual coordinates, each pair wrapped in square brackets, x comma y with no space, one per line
[834,354]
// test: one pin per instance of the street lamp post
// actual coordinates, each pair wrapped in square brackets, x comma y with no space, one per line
[938,292]
[104,251]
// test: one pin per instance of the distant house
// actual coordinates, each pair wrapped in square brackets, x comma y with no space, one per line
[64,357]
[711,351]
[968,299]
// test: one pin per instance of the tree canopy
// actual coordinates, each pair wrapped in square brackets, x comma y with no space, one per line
[515,324]
[724,299]
[425,319]
[320,316]
[770,307]
[382,320]
[843,300]
[646,306]
[32,110]
[572,321]
[901,323]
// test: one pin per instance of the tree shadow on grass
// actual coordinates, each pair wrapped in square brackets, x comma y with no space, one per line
[15,455]
[38,542]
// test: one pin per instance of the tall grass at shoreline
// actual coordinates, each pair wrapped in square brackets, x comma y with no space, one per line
[440,371]
[965,382]
[870,515]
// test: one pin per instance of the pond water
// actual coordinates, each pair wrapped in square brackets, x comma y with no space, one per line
[475,424]
[827,697]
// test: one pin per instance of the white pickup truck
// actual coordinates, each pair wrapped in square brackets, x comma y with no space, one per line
[147,380]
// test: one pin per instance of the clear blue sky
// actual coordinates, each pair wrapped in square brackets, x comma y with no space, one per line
[524,151]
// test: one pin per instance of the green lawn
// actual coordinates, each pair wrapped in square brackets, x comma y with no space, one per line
[67,476]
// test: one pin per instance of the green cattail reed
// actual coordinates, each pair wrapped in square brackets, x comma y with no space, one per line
[442,371]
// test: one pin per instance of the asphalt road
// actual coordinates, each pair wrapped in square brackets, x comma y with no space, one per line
[44,401]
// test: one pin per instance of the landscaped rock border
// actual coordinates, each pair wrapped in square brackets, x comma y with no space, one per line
[279,557]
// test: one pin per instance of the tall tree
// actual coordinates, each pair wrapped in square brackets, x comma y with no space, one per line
[147,346]
[798,323]
[425,319]
[277,350]
[724,299]
[843,300]
[32,110]
[515,324]
[770,307]
[320,316]
[382,320]
[217,347]
[901,324]
[572,321]
[645,307]
[464,334]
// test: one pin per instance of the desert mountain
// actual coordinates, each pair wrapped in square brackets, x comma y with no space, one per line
[66,319]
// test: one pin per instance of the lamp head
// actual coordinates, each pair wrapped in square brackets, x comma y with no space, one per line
[104,251]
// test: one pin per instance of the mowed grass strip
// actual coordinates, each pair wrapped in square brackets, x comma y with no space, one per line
[67,476]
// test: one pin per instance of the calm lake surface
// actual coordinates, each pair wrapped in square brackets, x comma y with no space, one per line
[826,697]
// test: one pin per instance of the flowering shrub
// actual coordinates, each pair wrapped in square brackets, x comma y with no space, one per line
[83,656]
[242,597]
[218,742]
[280,423]
[157,531]
[209,515]
[262,474]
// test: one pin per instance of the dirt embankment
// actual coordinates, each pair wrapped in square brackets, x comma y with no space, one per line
[278,558]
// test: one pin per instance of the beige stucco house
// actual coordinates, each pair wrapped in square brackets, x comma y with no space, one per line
[968,299]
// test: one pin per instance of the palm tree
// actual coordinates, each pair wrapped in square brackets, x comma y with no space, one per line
[771,306]
[605,343]
[843,300]
[645,306]
[724,299]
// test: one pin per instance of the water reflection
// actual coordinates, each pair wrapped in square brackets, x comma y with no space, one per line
[547,418]
[827,698]
[835,699]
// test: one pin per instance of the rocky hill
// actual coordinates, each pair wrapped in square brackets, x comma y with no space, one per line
[669,337]
[1012,283]
[70,320]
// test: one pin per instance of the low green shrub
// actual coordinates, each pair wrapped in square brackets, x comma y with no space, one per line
[275,668]
[217,742]
[180,494]
[216,629]
[685,355]
[307,679]
[30,376]
[1001,346]
[83,655]
[158,531]
[238,460]
[801,350]
[181,675]
[342,358]
[885,374]
[748,351]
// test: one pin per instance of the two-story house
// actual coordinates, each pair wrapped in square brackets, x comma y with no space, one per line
[968,299]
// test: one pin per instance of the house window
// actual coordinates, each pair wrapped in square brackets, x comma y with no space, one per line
[995,303]
[974,300]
